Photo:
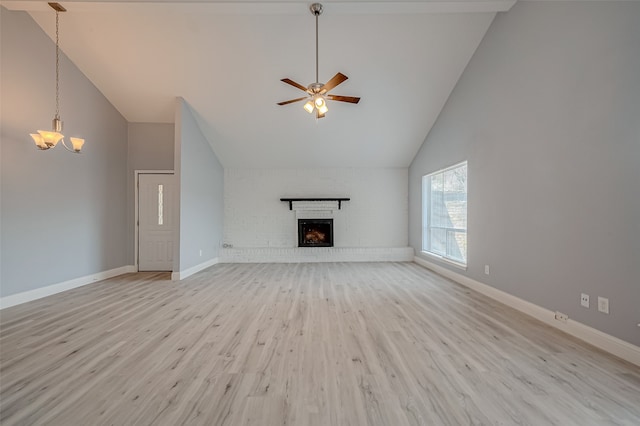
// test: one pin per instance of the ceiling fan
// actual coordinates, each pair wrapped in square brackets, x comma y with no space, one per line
[318,93]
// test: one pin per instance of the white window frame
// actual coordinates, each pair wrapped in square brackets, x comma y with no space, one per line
[425,217]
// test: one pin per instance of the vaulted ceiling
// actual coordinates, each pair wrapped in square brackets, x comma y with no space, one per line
[226,60]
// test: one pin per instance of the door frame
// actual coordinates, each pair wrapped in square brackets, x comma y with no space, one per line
[136,218]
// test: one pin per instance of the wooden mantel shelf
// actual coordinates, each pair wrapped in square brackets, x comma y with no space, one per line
[291,200]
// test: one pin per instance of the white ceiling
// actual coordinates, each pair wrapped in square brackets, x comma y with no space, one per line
[226,59]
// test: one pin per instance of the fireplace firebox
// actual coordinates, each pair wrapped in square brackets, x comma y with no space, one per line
[315,232]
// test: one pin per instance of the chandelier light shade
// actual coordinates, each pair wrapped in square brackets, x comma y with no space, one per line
[77,144]
[46,139]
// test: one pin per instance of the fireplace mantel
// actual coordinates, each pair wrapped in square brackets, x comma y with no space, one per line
[291,200]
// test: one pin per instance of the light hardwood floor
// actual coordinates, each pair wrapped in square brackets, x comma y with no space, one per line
[299,344]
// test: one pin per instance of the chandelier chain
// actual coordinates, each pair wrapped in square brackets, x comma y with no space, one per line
[57,64]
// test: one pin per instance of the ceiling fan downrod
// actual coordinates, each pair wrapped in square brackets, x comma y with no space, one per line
[316,9]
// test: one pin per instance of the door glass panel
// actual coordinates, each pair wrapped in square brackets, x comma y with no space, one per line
[160,205]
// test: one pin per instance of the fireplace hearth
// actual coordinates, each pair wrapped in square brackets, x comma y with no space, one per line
[315,232]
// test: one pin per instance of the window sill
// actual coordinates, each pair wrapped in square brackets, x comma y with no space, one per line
[445,260]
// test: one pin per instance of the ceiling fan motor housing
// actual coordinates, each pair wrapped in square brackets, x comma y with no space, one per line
[315,87]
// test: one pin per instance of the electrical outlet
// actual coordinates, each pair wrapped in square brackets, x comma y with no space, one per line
[486,269]
[584,300]
[561,317]
[603,305]
[200,252]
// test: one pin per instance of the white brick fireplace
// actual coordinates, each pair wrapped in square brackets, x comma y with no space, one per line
[372,226]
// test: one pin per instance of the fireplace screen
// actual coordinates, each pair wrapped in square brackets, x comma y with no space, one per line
[315,232]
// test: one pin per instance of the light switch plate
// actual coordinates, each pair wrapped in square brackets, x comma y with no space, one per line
[603,305]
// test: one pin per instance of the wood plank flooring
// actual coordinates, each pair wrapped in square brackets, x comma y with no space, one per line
[299,344]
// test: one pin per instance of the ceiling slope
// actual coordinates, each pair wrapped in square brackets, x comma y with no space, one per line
[226,60]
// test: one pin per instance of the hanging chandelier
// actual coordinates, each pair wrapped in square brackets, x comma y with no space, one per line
[46,139]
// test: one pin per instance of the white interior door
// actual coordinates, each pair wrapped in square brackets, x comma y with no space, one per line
[155,222]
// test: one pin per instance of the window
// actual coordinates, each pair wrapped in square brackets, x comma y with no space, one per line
[444,213]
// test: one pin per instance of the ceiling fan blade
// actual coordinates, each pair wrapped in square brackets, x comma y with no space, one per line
[319,114]
[294,84]
[337,79]
[350,99]
[291,101]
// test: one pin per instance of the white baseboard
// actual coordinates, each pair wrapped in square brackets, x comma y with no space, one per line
[38,293]
[177,276]
[597,338]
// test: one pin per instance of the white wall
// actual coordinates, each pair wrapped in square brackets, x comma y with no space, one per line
[376,216]
[151,147]
[548,115]
[199,177]
[64,216]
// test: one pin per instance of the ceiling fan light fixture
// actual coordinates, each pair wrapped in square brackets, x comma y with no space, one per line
[318,93]
[309,106]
